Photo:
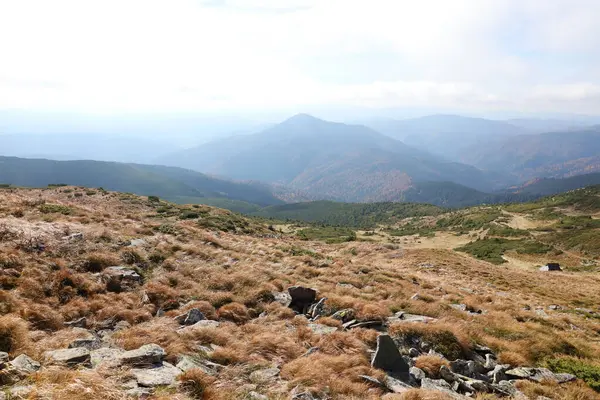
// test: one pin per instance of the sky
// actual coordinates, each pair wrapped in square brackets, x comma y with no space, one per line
[232,55]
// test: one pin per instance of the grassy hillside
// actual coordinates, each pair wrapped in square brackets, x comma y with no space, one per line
[108,295]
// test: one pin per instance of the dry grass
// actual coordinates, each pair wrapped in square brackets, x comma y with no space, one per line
[232,278]
[431,364]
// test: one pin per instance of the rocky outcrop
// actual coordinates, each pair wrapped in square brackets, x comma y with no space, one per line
[68,357]
[147,355]
[388,358]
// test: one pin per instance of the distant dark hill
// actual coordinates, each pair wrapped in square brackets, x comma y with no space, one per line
[556,154]
[447,135]
[171,183]
[330,160]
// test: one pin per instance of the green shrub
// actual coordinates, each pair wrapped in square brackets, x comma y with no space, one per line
[187,214]
[55,208]
[327,234]
[492,249]
[153,199]
[587,371]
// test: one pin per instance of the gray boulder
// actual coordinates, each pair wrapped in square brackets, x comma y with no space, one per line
[388,358]
[263,376]
[344,315]
[77,323]
[539,375]
[147,355]
[105,355]
[69,357]
[441,386]
[498,374]
[191,317]
[25,363]
[3,356]
[302,298]
[163,375]
[185,363]
[87,343]
[120,279]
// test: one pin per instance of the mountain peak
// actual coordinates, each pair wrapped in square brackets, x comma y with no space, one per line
[302,118]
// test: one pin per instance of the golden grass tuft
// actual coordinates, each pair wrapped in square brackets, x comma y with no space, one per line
[234,312]
[431,364]
[13,334]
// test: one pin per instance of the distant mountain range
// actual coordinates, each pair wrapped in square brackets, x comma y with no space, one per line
[330,160]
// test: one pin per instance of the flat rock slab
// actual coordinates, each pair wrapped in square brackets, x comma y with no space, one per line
[68,357]
[189,362]
[105,355]
[441,386]
[388,358]
[322,329]
[146,355]
[164,375]
[539,375]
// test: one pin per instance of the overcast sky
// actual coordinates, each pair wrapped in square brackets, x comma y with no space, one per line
[179,55]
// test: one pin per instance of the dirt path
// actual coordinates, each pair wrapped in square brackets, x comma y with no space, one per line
[519,221]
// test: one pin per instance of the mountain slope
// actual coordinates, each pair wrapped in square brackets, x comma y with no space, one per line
[330,160]
[446,135]
[166,182]
[555,154]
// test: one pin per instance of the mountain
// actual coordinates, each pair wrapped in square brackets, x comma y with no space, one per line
[555,154]
[176,184]
[329,160]
[447,135]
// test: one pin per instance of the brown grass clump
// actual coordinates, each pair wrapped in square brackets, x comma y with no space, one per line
[234,312]
[42,317]
[207,309]
[373,312]
[196,383]
[13,334]
[512,358]
[448,339]
[96,262]
[58,384]
[431,364]
[417,394]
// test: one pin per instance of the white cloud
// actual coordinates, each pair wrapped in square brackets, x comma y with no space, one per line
[233,54]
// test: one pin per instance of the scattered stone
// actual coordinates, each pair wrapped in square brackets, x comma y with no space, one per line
[554,307]
[441,386]
[551,267]
[191,317]
[541,312]
[75,237]
[490,362]
[3,356]
[417,373]
[146,355]
[317,309]
[163,375]
[120,279]
[188,362]
[412,352]
[87,343]
[344,315]
[321,329]
[256,396]
[498,374]
[448,375]
[376,324]
[25,363]
[263,376]
[282,298]
[69,357]
[77,323]
[396,385]
[387,357]
[137,243]
[401,316]
[301,298]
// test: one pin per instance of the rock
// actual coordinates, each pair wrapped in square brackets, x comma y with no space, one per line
[69,357]
[376,324]
[3,356]
[87,343]
[372,381]
[206,323]
[344,315]
[498,374]
[541,312]
[441,386]
[282,298]
[137,243]
[468,368]
[189,362]
[105,355]
[401,316]
[317,309]
[191,317]
[263,376]
[412,352]
[554,307]
[302,297]
[396,385]
[75,237]
[321,329]
[77,323]
[163,375]
[120,279]
[448,375]
[252,395]
[147,355]
[388,358]
[417,373]
[25,363]
[539,375]
[490,362]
